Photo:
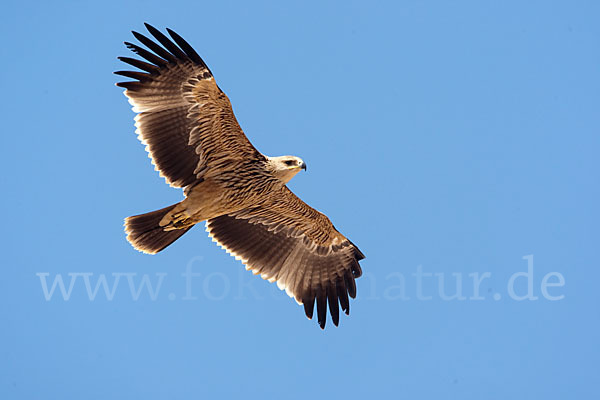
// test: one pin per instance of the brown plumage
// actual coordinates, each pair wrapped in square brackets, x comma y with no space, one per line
[196,143]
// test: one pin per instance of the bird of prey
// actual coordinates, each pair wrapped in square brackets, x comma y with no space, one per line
[196,143]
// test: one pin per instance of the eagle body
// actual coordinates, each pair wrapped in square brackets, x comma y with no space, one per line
[196,144]
[213,197]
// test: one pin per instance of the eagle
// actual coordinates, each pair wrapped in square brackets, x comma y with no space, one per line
[195,143]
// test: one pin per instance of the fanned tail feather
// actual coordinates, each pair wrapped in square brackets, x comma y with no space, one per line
[146,235]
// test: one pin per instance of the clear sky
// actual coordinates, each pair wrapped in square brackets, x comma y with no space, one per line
[452,141]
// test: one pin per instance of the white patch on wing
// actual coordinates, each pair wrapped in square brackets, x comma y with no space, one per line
[140,135]
[154,103]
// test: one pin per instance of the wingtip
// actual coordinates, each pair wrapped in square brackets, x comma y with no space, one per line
[138,36]
[151,29]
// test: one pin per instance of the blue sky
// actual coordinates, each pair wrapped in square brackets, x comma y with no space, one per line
[451,141]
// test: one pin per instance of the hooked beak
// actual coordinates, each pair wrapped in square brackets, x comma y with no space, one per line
[303,166]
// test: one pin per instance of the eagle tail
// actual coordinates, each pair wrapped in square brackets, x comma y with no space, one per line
[145,233]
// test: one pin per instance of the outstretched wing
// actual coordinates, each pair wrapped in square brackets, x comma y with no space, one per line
[184,119]
[287,241]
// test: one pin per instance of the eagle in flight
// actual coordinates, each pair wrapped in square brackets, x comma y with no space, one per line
[196,143]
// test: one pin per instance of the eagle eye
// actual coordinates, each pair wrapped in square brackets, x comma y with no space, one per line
[289,163]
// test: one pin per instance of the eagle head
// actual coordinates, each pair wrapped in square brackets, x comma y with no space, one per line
[285,167]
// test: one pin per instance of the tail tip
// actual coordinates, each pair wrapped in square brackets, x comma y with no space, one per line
[134,240]
[145,233]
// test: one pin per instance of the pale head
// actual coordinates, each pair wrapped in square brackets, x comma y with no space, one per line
[285,167]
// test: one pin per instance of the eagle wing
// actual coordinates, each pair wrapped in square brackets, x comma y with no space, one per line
[185,120]
[287,241]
